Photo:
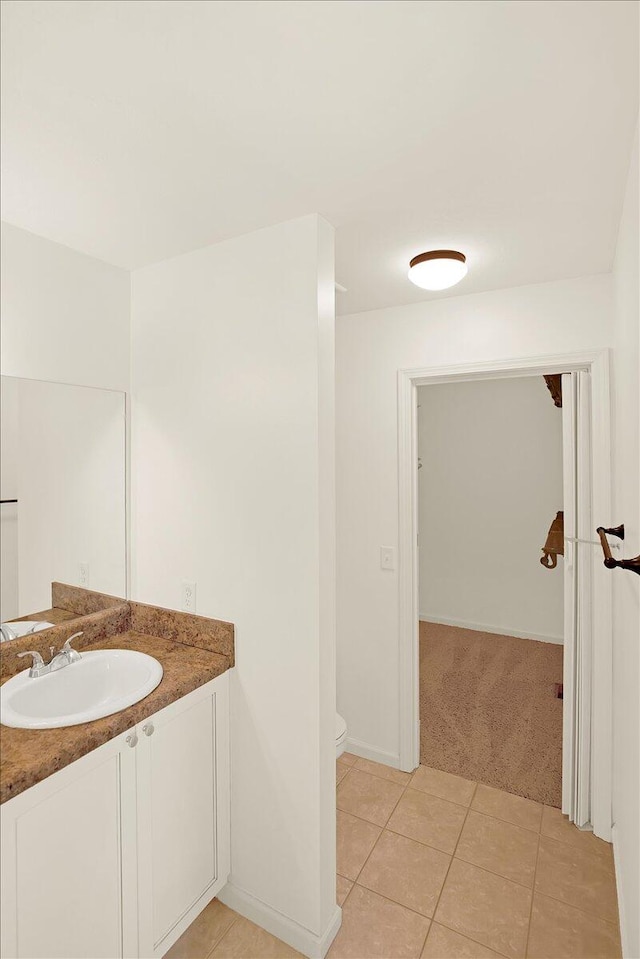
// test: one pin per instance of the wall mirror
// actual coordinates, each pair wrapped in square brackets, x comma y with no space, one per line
[63,486]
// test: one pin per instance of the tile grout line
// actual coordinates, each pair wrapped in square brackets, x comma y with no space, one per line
[491,872]
[422,842]
[533,892]
[382,829]
[354,882]
[384,779]
[486,870]
[446,876]
[377,775]
[477,783]
[430,919]
[453,856]
[220,938]
[570,905]
[532,889]
[591,854]
[422,792]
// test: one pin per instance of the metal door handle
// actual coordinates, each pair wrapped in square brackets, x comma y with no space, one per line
[633,564]
[147,729]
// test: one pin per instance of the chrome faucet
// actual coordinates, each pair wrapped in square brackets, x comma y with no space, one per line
[65,657]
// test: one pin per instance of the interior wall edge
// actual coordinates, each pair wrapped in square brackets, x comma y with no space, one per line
[297,936]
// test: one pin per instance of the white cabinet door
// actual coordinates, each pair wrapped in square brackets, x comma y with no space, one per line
[68,861]
[115,855]
[182,791]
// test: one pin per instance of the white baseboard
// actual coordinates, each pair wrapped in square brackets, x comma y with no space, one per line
[365,751]
[624,934]
[279,925]
[498,630]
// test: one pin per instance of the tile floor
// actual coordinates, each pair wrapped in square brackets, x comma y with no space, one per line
[433,866]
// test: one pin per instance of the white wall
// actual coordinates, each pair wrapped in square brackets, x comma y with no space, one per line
[489,487]
[232,450]
[560,317]
[626,586]
[9,490]
[65,316]
[70,459]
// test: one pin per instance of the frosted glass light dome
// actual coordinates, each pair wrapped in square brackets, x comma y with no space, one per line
[438,269]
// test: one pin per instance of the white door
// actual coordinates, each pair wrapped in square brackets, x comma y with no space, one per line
[576,760]
[177,816]
[68,862]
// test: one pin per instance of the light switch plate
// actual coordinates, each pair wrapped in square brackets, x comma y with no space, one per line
[387,557]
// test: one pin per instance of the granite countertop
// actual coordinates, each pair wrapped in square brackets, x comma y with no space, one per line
[28,756]
[54,616]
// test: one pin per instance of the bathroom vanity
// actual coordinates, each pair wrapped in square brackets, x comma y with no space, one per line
[115,833]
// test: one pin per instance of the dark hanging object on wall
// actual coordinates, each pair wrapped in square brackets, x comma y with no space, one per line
[554,385]
[554,545]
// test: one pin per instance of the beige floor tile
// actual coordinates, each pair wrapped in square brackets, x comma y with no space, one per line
[502,805]
[500,847]
[368,796]
[348,758]
[443,943]
[341,771]
[374,928]
[557,826]
[428,819]
[406,871]
[245,940]
[355,840]
[384,772]
[577,877]
[343,888]
[445,785]
[559,931]
[486,908]
[204,932]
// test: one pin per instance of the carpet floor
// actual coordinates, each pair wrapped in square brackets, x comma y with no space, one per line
[489,712]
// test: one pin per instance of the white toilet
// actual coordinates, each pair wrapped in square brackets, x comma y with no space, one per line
[341,735]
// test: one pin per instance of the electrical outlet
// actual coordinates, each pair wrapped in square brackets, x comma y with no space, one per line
[387,557]
[84,575]
[188,597]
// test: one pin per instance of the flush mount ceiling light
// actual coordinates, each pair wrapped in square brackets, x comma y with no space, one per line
[437,269]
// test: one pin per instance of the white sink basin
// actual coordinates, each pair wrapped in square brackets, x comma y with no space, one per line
[24,627]
[101,683]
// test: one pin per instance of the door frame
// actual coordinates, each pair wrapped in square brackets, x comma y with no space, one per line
[596,363]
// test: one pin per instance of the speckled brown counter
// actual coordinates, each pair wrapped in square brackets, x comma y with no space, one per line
[192,650]
[53,616]
[28,756]
[81,601]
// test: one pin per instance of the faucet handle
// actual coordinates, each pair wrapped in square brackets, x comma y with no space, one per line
[37,658]
[67,648]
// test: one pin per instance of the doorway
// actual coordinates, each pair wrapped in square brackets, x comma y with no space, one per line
[490,497]
[586,740]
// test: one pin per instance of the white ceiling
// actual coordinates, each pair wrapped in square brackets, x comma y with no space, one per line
[135,131]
